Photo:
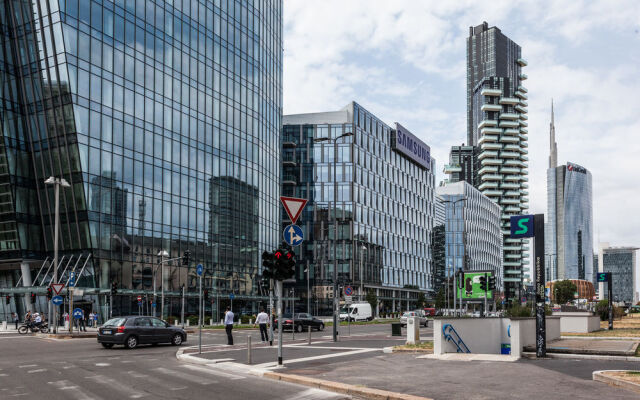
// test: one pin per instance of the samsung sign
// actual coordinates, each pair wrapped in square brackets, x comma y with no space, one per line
[406,143]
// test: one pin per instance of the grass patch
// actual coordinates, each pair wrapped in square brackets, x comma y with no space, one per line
[420,346]
[616,332]
[374,322]
[633,372]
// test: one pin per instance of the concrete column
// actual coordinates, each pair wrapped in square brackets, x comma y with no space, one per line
[26,274]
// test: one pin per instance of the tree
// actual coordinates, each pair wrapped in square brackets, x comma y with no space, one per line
[421,300]
[373,300]
[564,291]
[440,299]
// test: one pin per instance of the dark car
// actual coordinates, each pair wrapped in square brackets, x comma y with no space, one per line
[135,330]
[302,322]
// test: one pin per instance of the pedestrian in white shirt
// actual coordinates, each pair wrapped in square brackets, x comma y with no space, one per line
[228,325]
[262,320]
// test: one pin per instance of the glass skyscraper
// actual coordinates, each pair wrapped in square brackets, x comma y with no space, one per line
[621,262]
[164,117]
[385,206]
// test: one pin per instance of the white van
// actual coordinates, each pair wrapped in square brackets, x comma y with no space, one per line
[357,312]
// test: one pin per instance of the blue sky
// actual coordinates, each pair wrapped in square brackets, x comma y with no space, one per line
[405,61]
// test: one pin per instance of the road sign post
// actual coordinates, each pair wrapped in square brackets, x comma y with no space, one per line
[293,235]
[199,270]
[56,300]
[279,311]
[608,277]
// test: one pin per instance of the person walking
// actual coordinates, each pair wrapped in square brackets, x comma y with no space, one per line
[228,325]
[83,327]
[91,319]
[16,319]
[262,319]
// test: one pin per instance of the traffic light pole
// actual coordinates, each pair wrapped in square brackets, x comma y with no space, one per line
[486,288]
[200,317]
[270,312]
[279,310]
[610,287]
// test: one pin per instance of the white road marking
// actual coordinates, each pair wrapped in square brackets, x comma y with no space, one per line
[212,372]
[118,386]
[304,359]
[33,371]
[186,377]
[102,364]
[27,366]
[316,394]
[73,390]
[154,380]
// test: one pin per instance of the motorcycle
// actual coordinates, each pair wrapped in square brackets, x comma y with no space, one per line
[25,328]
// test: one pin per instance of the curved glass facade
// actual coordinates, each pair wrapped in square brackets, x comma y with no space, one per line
[164,116]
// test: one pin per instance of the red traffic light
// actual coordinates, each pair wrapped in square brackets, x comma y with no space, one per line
[290,255]
[278,254]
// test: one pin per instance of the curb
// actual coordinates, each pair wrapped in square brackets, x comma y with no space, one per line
[65,336]
[417,351]
[600,376]
[367,393]
[600,337]
[582,357]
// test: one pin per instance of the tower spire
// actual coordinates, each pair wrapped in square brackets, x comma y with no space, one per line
[553,150]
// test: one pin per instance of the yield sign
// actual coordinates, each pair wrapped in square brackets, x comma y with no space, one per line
[293,206]
[57,287]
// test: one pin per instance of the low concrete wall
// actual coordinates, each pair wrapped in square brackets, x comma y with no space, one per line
[583,323]
[486,335]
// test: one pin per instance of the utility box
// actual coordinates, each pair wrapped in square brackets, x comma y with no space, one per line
[396,329]
[413,330]
[4,325]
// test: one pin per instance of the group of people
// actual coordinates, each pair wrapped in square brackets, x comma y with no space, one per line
[30,319]
[262,320]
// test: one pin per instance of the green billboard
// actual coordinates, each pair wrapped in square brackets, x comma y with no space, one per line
[472,289]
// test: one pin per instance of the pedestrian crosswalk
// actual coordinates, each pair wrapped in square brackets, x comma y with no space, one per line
[145,378]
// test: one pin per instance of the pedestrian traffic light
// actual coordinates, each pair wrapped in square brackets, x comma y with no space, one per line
[49,293]
[185,257]
[33,298]
[7,299]
[114,288]
[492,282]
[269,265]
[483,282]
[289,270]
[205,295]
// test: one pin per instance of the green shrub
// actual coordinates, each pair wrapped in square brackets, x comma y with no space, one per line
[193,319]
[602,309]
[171,319]
[244,319]
[518,311]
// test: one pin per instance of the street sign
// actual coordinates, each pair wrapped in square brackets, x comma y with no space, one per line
[604,276]
[522,226]
[57,287]
[153,304]
[293,206]
[77,313]
[348,299]
[56,300]
[72,279]
[139,298]
[199,269]
[293,235]
[232,296]
[348,291]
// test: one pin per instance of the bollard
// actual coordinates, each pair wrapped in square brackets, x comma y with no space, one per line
[222,322]
[249,349]
[187,322]
[210,322]
[309,338]
[4,325]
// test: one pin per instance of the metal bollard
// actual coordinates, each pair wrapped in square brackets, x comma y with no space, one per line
[249,349]
[309,338]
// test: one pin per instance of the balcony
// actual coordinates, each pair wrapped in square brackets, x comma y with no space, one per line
[509,100]
[512,193]
[524,116]
[522,89]
[490,146]
[524,151]
[523,123]
[452,168]
[524,130]
[524,185]
[522,62]
[490,92]
[509,154]
[509,170]
[487,122]
[512,209]
[510,201]
[507,185]
[524,199]
[523,137]
[512,131]
[515,163]
[288,141]
[487,130]
[491,107]
[509,116]
[524,192]
[488,185]
[523,77]
[491,161]
[522,95]
[509,139]
[521,108]
[486,154]
[509,124]
[491,177]
[524,144]
[492,193]
[289,161]
[486,170]
[524,158]
[289,179]
[487,138]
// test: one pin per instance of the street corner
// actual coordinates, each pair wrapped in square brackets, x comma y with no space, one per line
[627,379]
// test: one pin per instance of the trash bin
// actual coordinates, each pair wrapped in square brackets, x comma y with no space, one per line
[505,348]
[396,329]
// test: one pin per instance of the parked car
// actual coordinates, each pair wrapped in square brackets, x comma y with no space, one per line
[422,320]
[302,321]
[356,312]
[135,330]
[429,312]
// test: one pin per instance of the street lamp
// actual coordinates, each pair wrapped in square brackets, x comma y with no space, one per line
[335,224]
[308,289]
[56,182]
[455,248]
[362,249]
[162,254]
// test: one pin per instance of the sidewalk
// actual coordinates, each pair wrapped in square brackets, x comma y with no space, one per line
[605,347]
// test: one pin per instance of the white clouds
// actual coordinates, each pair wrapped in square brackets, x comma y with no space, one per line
[405,62]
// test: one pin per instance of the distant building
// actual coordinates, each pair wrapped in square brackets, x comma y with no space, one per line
[584,288]
[463,165]
[438,245]
[472,228]
[569,226]
[621,262]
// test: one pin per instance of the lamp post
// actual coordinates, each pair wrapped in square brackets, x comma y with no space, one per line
[56,182]
[363,248]
[308,289]
[455,248]
[335,224]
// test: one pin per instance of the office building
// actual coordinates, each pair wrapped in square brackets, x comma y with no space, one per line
[621,262]
[497,126]
[472,230]
[463,165]
[569,226]
[385,209]
[156,113]
[438,245]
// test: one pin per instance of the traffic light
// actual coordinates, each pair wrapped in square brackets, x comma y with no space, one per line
[205,295]
[289,269]
[114,288]
[269,265]
[460,279]
[185,257]
[49,293]
[492,282]
[483,282]
[33,298]
[7,299]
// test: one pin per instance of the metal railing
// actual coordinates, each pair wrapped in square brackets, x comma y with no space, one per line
[451,335]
